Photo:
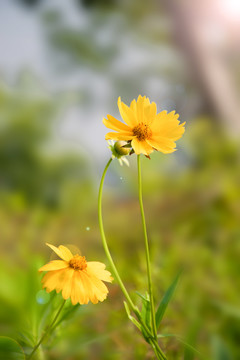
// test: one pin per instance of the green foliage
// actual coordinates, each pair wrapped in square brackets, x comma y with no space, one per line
[146,311]
[132,318]
[10,349]
[27,169]
[80,49]
[192,214]
[191,200]
[24,126]
[165,301]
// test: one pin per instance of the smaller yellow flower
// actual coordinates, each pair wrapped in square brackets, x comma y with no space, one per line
[144,128]
[75,277]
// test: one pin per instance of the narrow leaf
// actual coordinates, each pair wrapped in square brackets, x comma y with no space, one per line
[189,347]
[133,320]
[10,349]
[145,314]
[185,344]
[191,338]
[146,309]
[165,300]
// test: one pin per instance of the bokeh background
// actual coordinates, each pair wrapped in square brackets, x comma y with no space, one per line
[63,65]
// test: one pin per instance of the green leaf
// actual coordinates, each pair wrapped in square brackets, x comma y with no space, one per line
[145,314]
[191,339]
[133,320]
[68,312]
[189,355]
[165,300]
[167,335]
[10,349]
[186,344]
[27,338]
[146,309]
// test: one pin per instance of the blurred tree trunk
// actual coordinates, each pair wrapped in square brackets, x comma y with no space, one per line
[202,37]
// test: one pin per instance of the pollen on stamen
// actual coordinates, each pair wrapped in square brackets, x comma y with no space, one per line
[78,262]
[142,131]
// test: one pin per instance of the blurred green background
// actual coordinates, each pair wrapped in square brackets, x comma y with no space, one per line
[62,66]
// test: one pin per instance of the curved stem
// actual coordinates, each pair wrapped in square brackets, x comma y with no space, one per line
[46,331]
[146,249]
[153,341]
[105,245]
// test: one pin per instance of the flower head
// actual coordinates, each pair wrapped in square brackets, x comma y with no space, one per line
[144,128]
[75,277]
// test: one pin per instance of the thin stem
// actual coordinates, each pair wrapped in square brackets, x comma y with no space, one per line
[146,249]
[158,352]
[153,341]
[105,245]
[46,332]
[159,357]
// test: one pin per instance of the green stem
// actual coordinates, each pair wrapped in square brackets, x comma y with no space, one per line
[105,245]
[146,249]
[153,341]
[158,352]
[46,332]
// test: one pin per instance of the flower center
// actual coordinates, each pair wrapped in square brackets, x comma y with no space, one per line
[142,131]
[78,262]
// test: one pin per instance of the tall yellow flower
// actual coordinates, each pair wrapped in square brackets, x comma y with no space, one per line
[146,129]
[75,277]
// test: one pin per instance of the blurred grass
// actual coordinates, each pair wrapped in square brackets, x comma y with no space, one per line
[192,208]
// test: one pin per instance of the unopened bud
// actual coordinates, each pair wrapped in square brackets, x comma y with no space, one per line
[121,149]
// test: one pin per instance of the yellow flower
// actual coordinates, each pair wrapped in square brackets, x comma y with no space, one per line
[75,277]
[144,128]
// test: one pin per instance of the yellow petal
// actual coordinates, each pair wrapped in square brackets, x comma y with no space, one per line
[150,113]
[67,283]
[170,130]
[66,252]
[63,252]
[174,133]
[164,145]
[93,292]
[97,289]
[118,136]
[146,101]
[54,265]
[97,269]
[160,120]
[140,107]
[54,280]
[75,293]
[163,118]
[141,147]
[115,124]
[133,107]
[80,288]
[127,114]
[97,283]
[85,286]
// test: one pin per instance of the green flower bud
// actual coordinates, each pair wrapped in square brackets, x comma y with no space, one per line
[120,148]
